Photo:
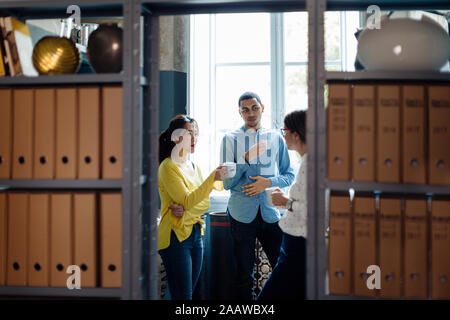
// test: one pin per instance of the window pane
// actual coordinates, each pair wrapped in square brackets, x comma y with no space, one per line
[296,36]
[332,36]
[296,88]
[243,37]
[231,82]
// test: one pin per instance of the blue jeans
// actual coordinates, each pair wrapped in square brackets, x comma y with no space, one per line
[244,237]
[183,263]
[288,279]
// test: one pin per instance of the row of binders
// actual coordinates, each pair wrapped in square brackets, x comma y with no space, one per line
[42,234]
[389,133]
[408,242]
[61,133]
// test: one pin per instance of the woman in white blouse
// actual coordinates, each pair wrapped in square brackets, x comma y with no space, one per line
[288,279]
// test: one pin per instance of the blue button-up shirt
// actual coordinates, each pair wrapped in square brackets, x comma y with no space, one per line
[273,164]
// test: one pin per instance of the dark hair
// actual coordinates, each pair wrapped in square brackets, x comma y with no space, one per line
[248,95]
[296,122]
[165,138]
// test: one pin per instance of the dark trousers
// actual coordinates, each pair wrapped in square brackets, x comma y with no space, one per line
[288,279]
[183,263]
[244,237]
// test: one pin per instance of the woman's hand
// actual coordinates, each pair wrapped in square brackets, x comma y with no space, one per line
[221,173]
[279,199]
[177,210]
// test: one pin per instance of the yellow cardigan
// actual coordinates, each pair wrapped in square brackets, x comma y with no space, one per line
[177,187]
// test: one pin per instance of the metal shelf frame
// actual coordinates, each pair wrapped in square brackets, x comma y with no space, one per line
[318,185]
[61,292]
[82,184]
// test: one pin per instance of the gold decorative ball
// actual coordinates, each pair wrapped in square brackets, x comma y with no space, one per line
[56,55]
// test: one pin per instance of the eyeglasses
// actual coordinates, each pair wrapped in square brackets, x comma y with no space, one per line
[283,131]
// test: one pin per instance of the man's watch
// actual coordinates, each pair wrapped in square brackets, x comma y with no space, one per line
[289,204]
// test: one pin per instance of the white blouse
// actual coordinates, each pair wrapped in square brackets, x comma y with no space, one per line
[294,222]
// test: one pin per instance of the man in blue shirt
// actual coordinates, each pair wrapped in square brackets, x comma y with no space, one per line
[263,165]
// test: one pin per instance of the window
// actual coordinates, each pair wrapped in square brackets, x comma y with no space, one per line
[262,52]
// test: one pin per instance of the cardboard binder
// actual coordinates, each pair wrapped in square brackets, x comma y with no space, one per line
[390,247]
[413,108]
[16,271]
[339,248]
[39,240]
[61,238]
[85,237]
[364,243]
[66,133]
[388,134]
[3,238]
[112,101]
[338,141]
[363,133]
[44,134]
[23,133]
[89,133]
[439,134]
[111,240]
[440,246]
[415,251]
[5,133]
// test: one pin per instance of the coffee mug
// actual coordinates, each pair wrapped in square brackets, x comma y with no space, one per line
[269,195]
[231,169]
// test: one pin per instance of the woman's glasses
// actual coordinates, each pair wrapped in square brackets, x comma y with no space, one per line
[283,131]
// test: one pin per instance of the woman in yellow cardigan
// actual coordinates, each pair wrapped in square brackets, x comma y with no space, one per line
[184,199]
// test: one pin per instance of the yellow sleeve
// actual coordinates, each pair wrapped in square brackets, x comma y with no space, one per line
[178,191]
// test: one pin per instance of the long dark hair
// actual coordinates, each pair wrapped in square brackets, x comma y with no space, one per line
[165,138]
[296,122]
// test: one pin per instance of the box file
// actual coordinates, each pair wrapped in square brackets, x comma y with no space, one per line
[44,135]
[89,133]
[363,133]
[388,134]
[390,247]
[112,100]
[5,133]
[16,271]
[111,239]
[23,105]
[413,134]
[339,249]
[39,240]
[338,142]
[66,133]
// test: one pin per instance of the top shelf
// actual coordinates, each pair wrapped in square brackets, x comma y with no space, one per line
[388,75]
[387,4]
[69,79]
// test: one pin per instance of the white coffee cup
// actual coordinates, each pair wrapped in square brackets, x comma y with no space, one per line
[231,169]
[269,195]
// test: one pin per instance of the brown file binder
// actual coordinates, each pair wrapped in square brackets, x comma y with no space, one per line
[364,243]
[39,240]
[44,137]
[363,133]
[66,133]
[339,248]
[415,252]
[3,238]
[111,239]
[413,134]
[439,134]
[61,238]
[85,237]
[16,272]
[338,141]
[5,133]
[390,247]
[388,134]
[23,133]
[89,133]
[112,101]
[440,249]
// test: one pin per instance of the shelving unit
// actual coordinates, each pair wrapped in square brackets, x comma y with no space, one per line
[318,185]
